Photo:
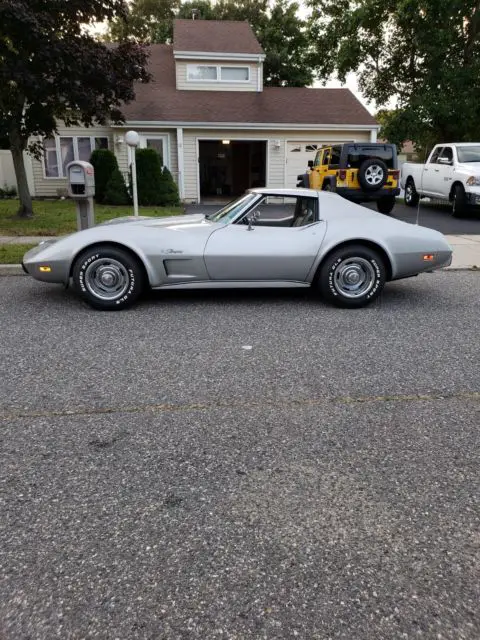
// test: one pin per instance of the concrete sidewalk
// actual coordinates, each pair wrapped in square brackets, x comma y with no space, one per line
[466,250]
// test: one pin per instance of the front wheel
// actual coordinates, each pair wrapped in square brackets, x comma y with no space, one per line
[352,276]
[459,202]
[108,278]
[411,195]
[385,205]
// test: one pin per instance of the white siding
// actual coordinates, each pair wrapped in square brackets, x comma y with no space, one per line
[277,156]
[54,187]
[7,171]
[184,84]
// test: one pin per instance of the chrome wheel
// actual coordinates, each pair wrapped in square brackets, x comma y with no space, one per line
[106,279]
[408,193]
[374,175]
[354,277]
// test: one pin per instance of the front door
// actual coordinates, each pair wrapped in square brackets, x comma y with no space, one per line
[271,253]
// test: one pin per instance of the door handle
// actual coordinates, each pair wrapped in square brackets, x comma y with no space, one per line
[437,170]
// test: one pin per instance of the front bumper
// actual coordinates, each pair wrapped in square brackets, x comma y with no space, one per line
[41,256]
[473,198]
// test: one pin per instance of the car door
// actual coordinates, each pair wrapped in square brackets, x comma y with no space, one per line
[430,176]
[443,172]
[248,253]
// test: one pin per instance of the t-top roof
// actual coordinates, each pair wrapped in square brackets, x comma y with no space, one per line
[215,36]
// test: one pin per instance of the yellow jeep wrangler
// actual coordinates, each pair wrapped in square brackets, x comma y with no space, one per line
[360,172]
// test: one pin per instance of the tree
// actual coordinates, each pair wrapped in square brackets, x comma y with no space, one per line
[281,32]
[52,70]
[421,55]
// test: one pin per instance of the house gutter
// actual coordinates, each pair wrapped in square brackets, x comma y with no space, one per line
[155,124]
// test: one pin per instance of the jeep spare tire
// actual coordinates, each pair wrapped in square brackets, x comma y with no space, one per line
[372,174]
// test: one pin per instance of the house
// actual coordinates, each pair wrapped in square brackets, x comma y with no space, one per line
[216,126]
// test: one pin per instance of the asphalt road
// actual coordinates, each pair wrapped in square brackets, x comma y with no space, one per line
[432,215]
[241,465]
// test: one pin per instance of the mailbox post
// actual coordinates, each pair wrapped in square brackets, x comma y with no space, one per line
[81,188]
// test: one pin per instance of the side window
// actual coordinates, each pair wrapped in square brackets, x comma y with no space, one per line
[327,155]
[318,159]
[436,155]
[276,211]
[447,153]
[335,160]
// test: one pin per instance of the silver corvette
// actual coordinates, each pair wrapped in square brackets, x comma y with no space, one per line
[267,238]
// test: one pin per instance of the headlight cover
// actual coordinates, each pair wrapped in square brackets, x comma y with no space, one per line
[473,181]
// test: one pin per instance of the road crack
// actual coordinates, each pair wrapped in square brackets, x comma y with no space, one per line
[250,404]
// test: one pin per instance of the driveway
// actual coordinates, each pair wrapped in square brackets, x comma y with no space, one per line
[239,465]
[430,215]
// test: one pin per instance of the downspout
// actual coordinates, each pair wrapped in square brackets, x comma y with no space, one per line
[181,164]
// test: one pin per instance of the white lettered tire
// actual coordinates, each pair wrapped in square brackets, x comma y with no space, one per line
[108,278]
[352,276]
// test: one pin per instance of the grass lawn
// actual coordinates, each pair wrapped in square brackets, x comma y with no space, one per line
[57,217]
[13,253]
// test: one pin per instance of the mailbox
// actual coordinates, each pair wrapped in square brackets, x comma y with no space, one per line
[81,188]
[81,179]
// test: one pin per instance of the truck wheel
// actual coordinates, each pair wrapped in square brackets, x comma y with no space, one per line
[411,195]
[386,204]
[459,201]
[303,181]
[327,187]
[372,174]
[352,276]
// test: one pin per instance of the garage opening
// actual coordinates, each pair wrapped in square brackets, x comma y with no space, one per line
[229,167]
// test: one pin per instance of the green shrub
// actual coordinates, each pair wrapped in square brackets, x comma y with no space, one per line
[116,192]
[104,163]
[169,189]
[149,177]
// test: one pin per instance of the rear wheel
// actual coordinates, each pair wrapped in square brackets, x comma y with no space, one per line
[327,186]
[108,278]
[385,205]
[352,276]
[459,201]
[411,195]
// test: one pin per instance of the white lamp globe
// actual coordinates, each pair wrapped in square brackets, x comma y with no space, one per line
[132,138]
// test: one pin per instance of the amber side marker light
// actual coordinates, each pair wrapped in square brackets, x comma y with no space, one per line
[428,257]
[45,269]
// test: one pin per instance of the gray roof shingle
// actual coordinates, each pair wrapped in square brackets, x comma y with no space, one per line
[160,101]
[215,36]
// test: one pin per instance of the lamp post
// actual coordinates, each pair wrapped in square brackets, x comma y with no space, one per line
[133,139]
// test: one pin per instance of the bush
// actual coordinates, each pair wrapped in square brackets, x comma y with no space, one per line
[104,163]
[149,177]
[116,192]
[169,189]
[8,192]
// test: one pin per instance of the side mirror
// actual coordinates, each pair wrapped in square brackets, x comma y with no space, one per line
[252,218]
[310,164]
[444,160]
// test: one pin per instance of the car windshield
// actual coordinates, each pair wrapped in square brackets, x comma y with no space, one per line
[230,212]
[468,154]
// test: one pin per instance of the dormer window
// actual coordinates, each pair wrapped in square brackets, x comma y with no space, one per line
[217,73]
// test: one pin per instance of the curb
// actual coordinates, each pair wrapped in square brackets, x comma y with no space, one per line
[16,269]
[11,270]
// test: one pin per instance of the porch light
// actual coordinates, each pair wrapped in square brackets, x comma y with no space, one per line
[225,141]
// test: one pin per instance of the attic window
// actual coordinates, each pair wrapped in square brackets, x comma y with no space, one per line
[209,73]
[197,72]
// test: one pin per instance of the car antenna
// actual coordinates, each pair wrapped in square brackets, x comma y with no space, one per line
[421,187]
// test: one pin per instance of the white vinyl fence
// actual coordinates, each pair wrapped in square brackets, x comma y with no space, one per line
[7,172]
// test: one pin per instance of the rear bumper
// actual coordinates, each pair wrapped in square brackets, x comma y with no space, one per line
[355,195]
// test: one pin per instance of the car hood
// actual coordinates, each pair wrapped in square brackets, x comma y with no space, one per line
[166,221]
[473,169]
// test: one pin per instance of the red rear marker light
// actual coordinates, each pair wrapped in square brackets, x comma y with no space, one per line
[428,257]
[343,175]
[394,174]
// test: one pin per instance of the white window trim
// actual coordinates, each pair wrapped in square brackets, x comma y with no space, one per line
[165,137]
[219,68]
[75,153]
